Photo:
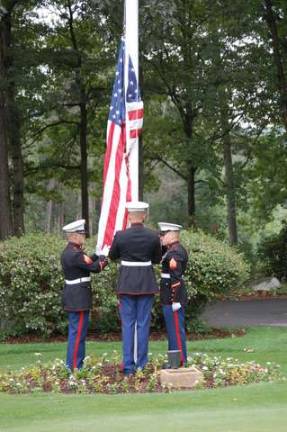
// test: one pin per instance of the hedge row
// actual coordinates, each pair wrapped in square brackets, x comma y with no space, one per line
[31,282]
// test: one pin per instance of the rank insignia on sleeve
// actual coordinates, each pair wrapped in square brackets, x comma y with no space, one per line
[88,260]
[172,264]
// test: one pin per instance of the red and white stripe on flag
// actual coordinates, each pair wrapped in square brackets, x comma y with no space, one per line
[135,115]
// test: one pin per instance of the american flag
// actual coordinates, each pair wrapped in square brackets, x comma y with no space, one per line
[124,126]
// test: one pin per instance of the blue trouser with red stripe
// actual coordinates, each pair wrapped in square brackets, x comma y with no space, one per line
[78,329]
[174,322]
[135,310]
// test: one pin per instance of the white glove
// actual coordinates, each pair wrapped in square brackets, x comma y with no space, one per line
[175,306]
[104,251]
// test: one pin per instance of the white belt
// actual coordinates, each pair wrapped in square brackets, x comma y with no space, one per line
[77,281]
[136,263]
[167,276]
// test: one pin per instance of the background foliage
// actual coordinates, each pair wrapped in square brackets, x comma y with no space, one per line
[213,154]
[31,282]
[212,76]
[272,252]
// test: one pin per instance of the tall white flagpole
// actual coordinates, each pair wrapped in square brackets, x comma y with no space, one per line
[132,50]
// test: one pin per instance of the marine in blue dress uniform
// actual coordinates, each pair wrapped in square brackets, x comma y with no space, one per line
[77,294]
[137,248]
[172,288]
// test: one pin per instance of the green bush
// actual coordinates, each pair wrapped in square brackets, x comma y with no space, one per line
[214,268]
[31,282]
[272,253]
[105,315]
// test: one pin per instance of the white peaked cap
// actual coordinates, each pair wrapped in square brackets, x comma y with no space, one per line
[136,206]
[76,226]
[166,226]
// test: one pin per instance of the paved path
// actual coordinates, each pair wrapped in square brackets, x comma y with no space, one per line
[232,313]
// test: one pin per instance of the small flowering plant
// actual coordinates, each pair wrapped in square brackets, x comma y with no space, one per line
[218,371]
[103,375]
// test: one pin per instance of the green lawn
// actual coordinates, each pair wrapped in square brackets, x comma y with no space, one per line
[254,408]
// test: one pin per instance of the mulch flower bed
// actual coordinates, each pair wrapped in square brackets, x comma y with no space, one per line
[113,337]
[103,375]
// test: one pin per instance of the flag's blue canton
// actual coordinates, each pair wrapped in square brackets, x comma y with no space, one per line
[117,108]
[133,94]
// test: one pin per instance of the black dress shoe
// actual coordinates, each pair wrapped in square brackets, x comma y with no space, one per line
[129,374]
[166,365]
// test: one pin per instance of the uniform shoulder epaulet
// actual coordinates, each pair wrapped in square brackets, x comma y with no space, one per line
[172,264]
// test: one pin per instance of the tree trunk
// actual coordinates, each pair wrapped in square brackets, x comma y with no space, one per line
[228,170]
[61,217]
[12,124]
[5,204]
[83,123]
[17,166]
[50,207]
[84,163]
[191,194]
[92,207]
[230,191]
[191,170]
[49,214]
[282,82]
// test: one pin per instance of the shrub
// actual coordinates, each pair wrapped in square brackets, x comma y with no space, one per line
[105,313]
[31,282]
[214,268]
[272,252]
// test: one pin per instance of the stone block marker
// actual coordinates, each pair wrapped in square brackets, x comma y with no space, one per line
[187,378]
[267,285]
